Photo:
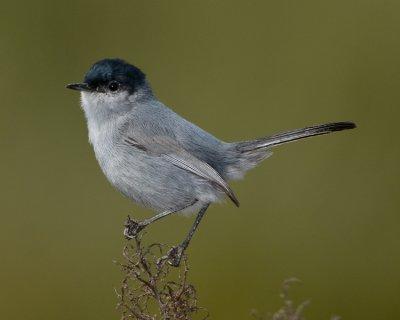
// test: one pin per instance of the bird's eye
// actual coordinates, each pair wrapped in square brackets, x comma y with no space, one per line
[113,86]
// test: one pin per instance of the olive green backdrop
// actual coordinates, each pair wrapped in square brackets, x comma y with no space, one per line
[324,210]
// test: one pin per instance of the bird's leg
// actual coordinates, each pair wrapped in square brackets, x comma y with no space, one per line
[133,227]
[175,254]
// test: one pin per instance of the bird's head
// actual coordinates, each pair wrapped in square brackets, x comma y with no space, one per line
[112,86]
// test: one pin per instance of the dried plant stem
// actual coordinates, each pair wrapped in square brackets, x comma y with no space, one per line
[151,289]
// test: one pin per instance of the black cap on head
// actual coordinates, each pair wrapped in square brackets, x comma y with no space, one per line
[108,72]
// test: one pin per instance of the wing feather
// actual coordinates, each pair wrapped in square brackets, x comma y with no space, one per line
[172,152]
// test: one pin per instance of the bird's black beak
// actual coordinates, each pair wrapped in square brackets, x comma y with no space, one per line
[79,87]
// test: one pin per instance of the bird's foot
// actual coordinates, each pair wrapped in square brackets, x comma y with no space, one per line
[175,255]
[132,228]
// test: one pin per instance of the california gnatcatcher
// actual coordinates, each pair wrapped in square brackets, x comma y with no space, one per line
[157,158]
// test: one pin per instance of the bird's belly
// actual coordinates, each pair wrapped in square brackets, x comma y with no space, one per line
[153,182]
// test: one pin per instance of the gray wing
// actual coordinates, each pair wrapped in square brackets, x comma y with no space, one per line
[171,151]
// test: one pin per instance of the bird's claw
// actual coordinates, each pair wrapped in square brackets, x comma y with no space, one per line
[174,256]
[132,228]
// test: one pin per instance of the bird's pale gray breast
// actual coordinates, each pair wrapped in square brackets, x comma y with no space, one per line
[145,178]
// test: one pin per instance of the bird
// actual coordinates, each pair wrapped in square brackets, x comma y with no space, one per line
[159,159]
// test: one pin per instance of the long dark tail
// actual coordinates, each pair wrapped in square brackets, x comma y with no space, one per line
[285,137]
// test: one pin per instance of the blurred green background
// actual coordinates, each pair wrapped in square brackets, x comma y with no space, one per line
[324,210]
